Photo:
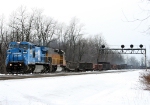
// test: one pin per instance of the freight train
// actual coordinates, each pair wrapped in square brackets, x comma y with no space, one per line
[87,66]
[26,57]
[76,67]
[23,57]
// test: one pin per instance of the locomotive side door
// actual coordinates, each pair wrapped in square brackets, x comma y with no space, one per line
[32,54]
[37,54]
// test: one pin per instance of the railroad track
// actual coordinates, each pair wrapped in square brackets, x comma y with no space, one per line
[39,75]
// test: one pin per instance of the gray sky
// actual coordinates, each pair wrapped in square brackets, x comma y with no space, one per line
[108,17]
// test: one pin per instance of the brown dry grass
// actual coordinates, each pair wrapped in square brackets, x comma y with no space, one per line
[145,79]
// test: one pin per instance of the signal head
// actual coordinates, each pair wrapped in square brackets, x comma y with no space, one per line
[103,46]
[122,46]
[131,46]
[141,46]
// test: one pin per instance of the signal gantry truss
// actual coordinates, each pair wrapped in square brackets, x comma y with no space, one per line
[123,51]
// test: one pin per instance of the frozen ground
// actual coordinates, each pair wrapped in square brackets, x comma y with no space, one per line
[91,89]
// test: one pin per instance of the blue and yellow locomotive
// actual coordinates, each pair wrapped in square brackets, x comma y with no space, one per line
[23,57]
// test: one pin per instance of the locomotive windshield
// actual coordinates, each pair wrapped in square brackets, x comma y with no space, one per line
[13,46]
[24,46]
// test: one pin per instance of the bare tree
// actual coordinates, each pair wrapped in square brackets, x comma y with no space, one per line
[69,36]
[99,41]
[45,29]
[62,32]
[82,48]
[21,24]
[133,61]
[142,61]
[74,34]
[3,44]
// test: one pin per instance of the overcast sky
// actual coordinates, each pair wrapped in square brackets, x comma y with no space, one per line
[108,17]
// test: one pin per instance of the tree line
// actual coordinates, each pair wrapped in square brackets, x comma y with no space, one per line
[42,30]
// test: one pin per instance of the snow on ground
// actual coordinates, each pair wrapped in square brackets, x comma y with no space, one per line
[91,89]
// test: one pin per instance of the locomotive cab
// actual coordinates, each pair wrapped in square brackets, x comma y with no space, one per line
[14,57]
[18,55]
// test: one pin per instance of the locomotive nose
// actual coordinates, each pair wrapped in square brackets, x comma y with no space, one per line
[16,55]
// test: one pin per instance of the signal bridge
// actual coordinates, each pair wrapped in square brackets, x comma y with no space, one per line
[124,50]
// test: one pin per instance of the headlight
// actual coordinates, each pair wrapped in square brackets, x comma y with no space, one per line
[10,64]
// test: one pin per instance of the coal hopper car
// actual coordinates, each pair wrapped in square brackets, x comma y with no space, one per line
[85,66]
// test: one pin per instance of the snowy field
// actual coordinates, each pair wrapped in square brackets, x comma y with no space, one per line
[91,89]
